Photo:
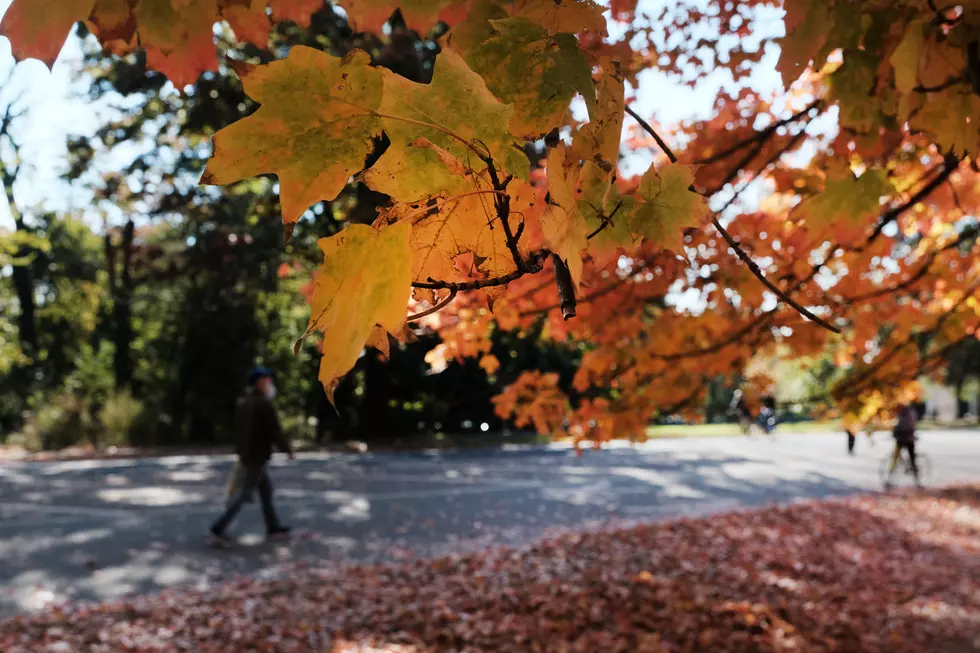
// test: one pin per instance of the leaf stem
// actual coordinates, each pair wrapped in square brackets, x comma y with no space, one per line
[437,307]
[423,211]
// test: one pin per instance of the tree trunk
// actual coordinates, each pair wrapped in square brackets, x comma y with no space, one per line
[23,285]
[122,292]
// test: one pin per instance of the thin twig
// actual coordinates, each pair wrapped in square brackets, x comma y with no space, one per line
[761,135]
[745,258]
[425,209]
[606,221]
[432,309]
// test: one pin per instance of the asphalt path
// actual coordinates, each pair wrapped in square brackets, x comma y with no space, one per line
[99,530]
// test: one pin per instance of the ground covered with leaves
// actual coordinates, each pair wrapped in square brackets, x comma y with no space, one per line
[886,573]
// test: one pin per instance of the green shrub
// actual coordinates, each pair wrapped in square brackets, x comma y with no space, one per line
[117,419]
[60,422]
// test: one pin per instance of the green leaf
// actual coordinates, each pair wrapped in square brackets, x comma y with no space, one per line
[538,73]
[664,206]
[852,85]
[457,113]
[847,201]
[365,280]
[314,129]
[905,58]
[807,24]
[952,117]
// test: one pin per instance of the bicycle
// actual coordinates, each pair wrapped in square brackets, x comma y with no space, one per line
[903,467]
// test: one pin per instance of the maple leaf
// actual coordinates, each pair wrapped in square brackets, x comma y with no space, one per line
[464,221]
[847,202]
[172,35]
[456,112]
[38,30]
[249,21]
[905,58]
[298,11]
[571,16]
[953,117]
[807,24]
[851,84]
[563,227]
[314,129]
[524,65]
[371,15]
[600,139]
[664,205]
[364,283]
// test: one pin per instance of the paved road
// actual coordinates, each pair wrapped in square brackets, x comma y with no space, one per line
[101,529]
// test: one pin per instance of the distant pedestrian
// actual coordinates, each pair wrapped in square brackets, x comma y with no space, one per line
[258,431]
[851,438]
[904,433]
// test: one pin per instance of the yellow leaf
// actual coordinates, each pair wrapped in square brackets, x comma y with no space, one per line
[538,73]
[807,24]
[456,112]
[563,227]
[599,140]
[38,30]
[314,129]
[365,280]
[665,205]
[905,58]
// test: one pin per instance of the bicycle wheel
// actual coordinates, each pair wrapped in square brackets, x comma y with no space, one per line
[924,463]
[885,466]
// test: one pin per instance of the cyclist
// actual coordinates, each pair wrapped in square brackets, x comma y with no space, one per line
[767,414]
[904,433]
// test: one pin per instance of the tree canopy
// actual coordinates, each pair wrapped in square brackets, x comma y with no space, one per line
[833,218]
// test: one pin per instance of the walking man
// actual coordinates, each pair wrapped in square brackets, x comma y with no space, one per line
[258,432]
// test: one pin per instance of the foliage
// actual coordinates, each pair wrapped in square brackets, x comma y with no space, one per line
[884,573]
[863,162]
[117,419]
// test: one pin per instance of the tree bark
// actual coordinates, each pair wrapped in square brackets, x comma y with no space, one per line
[122,292]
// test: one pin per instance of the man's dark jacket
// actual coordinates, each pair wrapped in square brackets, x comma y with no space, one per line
[258,429]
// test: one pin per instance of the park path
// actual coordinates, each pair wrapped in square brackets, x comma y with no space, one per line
[98,530]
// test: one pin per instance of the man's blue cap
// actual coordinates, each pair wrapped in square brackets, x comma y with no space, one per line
[258,372]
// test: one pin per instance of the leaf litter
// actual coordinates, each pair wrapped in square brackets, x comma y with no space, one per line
[883,573]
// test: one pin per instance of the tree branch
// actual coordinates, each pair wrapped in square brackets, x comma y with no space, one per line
[761,135]
[606,221]
[742,255]
[533,265]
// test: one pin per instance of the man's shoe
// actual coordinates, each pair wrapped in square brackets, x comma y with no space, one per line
[219,540]
[279,532]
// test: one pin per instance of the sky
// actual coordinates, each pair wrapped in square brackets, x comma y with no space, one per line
[56,108]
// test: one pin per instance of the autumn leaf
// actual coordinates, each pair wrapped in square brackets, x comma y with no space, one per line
[807,24]
[571,16]
[490,364]
[174,39]
[851,86]
[39,30]
[456,112]
[664,205]
[538,73]
[249,21]
[952,117]
[563,227]
[364,282]
[599,140]
[298,11]
[464,220]
[371,15]
[846,202]
[314,129]
[905,58]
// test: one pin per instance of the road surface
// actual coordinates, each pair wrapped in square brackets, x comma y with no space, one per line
[98,530]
